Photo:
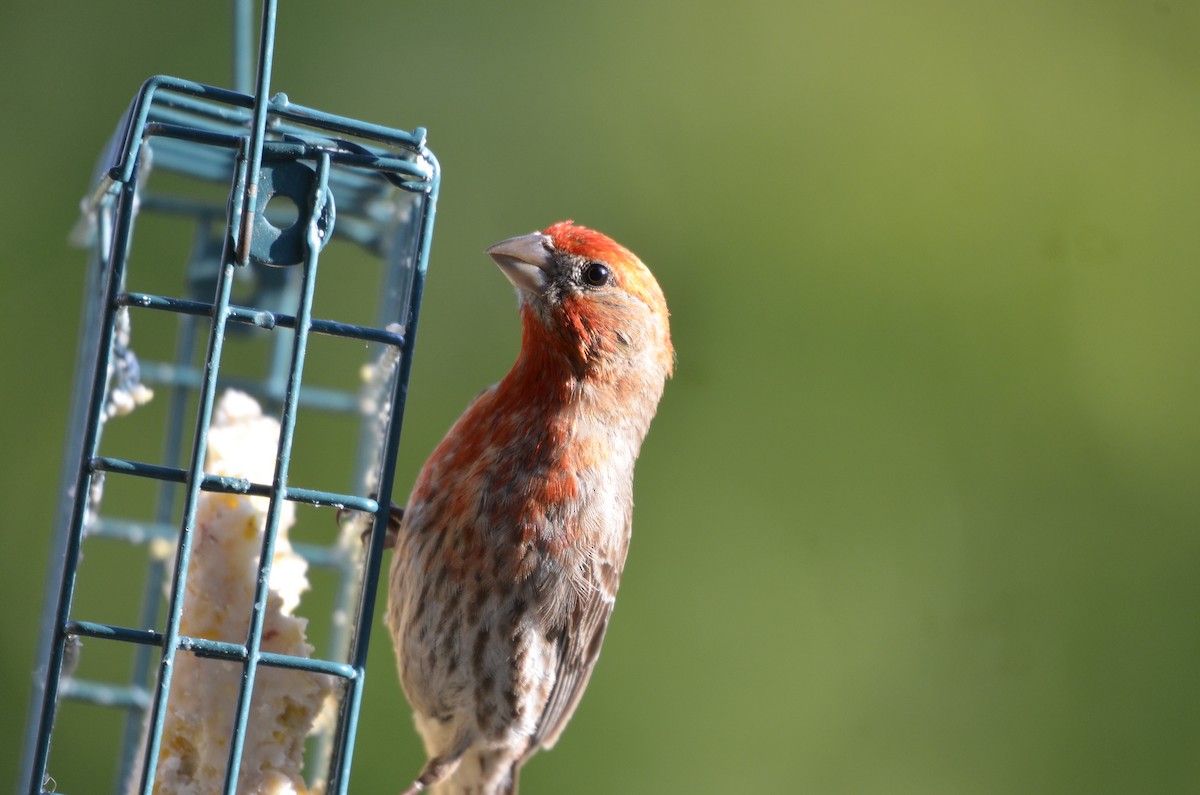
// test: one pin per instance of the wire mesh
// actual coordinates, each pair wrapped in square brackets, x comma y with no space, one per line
[297,180]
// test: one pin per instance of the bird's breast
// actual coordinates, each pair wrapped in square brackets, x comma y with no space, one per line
[504,493]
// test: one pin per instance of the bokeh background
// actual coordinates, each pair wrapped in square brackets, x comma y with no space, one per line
[920,510]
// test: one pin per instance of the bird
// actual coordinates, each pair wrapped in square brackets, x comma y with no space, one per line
[509,551]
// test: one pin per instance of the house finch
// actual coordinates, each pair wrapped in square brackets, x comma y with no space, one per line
[509,551]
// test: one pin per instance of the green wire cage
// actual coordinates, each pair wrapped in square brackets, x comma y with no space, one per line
[268,189]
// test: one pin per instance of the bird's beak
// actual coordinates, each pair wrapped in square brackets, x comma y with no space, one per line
[525,260]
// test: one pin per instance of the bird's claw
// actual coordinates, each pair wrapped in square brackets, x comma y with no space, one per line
[395,517]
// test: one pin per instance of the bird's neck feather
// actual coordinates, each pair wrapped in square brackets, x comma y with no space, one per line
[573,373]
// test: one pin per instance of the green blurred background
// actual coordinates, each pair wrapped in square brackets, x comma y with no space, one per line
[919,512]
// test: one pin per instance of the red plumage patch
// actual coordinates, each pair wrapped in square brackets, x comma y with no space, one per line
[584,242]
[630,273]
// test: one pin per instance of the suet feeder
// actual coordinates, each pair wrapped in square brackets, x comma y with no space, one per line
[269,189]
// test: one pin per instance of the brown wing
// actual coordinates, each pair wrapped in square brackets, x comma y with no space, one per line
[580,645]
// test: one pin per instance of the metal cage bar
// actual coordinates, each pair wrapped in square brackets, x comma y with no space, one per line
[216,134]
[194,480]
[82,488]
[344,737]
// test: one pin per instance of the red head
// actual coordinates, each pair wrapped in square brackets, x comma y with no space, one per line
[590,298]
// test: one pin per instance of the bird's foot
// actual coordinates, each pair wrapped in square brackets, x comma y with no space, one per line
[436,770]
[395,517]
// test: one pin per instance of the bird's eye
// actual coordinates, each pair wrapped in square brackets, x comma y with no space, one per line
[596,274]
